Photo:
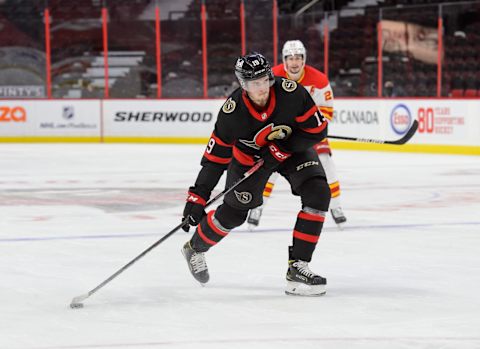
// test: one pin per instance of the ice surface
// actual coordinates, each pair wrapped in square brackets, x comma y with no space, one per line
[404,273]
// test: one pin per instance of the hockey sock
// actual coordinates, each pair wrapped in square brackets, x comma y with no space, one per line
[307,233]
[335,190]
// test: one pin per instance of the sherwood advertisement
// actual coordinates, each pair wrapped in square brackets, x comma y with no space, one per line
[167,118]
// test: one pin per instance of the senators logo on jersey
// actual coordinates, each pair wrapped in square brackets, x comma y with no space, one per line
[289,85]
[267,134]
[229,106]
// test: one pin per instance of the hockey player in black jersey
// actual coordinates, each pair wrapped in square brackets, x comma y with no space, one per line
[276,120]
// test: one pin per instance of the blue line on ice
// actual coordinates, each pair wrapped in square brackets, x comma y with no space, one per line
[270,230]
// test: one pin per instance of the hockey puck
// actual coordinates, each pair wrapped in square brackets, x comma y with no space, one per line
[76,305]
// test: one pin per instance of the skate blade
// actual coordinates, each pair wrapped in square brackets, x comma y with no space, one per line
[300,289]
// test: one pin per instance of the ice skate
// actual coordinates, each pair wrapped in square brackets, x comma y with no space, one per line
[301,281]
[196,263]
[338,216]
[254,216]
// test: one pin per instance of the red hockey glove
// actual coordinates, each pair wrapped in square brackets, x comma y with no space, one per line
[273,156]
[194,210]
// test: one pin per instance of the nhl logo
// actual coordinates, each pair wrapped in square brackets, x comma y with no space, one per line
[229,106]
[68,112]
[244,197]
[264,116]
[289,85]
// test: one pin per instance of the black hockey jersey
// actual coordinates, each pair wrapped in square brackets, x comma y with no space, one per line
[289,123]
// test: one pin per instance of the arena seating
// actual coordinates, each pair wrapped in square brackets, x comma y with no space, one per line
[77,43]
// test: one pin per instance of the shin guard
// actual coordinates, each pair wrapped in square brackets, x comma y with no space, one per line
[208,233]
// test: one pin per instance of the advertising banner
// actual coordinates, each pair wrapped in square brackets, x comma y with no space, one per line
[449,122]
[22,91]
[419,41]
[42,118]
[176,118]
[354,119]
[441,121]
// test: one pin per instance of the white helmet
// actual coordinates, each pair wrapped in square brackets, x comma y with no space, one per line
[294,47]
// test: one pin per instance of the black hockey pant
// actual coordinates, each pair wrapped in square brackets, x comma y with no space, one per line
[307,179]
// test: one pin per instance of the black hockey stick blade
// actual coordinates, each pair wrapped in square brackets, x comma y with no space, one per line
[406,137]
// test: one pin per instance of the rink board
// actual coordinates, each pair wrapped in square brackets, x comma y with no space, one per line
[445,125]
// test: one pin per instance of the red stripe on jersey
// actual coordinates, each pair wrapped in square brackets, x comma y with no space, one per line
[310,112]
[315,129]
[305,237]
[243,158]
[265,112]
[311,217]
[219,141]
[217,159]
[213,226]
[204,238]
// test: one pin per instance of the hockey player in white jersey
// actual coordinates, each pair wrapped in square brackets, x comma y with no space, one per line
[294,67]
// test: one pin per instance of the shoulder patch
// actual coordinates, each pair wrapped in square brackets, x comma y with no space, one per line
[229,106]
[289,85]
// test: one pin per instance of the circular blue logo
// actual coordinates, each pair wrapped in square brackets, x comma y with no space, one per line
[400,119]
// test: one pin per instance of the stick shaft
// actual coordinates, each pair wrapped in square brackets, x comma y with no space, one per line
[411,131]
[247,174]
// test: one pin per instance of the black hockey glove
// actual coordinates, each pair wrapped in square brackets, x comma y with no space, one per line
[273,156]
[194,210]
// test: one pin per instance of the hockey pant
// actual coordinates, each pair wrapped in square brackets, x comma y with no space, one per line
[307,179]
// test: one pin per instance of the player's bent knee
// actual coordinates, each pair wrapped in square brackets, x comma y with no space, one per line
[315,193]
[230,217]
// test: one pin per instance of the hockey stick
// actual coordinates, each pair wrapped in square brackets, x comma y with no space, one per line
[411,131]
[255,214]
[77,301]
